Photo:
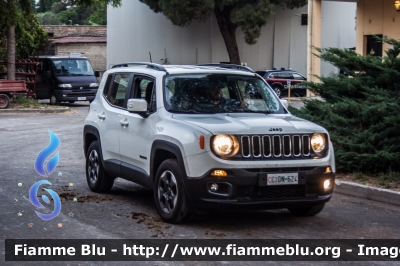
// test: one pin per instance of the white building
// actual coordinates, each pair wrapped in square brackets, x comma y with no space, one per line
[134,31]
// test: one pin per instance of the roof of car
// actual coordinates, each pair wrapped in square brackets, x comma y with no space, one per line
[278,70]
[61,57]
[184,69]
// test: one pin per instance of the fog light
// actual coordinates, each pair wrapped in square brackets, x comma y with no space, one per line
[328,170]
[219,173]
[327,184]
[214,187]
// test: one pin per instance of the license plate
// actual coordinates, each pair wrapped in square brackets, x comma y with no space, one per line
[282,179]
[81,98]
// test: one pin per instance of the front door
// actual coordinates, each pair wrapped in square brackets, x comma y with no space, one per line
[137,136]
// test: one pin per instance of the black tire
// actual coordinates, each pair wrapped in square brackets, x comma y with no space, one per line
[96,176]
[169,193]
[278,90]
[4,101]
[307,210]
[53,100]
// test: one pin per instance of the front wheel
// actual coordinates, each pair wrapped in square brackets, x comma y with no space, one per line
[53,100]
[96,176]
[169,193]
[307,210]
[4,101]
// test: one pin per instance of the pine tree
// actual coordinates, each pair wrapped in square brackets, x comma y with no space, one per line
[360,109]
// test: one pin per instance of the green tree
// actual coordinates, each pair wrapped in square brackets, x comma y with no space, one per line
[57,7]
[15,15]
[249,15]
[360,109]
[12,19]
[48,18]
[73,12]
[99,17]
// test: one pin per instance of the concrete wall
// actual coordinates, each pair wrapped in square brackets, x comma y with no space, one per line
[337,31]
[134,31]
[376,18]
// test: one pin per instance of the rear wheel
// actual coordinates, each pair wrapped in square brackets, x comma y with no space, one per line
[97,177]
[169,193]
[307,210]
[277,90]
[4,101]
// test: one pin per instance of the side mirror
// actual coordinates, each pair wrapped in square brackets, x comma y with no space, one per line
[97,73]
[138,106]
[285,103]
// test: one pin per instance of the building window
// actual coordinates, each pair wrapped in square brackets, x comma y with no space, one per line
[304,19]
[374,46]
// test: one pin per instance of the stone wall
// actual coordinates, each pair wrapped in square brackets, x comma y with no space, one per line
[96,52]
[67,31]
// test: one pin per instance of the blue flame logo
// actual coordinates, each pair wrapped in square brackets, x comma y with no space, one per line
[34,200]
[45,153]
[40,169]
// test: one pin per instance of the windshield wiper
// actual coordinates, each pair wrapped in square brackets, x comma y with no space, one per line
[256,111]
[191,111]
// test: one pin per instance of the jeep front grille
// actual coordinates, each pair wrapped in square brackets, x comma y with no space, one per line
[275,146]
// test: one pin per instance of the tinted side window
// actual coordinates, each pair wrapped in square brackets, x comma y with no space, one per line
[298,77]
[261,73]
[118,89]
[145,89]
[107,86]
[285,75]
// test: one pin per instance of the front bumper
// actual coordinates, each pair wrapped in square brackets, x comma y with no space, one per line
[243,188]
[75,94]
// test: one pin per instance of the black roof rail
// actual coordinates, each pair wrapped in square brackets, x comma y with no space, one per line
[149,65]
[229,66]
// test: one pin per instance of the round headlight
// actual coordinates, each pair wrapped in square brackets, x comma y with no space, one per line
[224,145]
[318,143]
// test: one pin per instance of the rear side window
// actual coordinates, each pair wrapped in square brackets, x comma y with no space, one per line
[285,75]
[107,86]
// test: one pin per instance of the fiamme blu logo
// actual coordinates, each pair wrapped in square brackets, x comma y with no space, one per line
[45,163]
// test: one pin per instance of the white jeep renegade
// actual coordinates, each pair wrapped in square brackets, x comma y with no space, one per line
[205,137]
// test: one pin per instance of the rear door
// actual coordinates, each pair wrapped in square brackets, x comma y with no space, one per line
[110,112]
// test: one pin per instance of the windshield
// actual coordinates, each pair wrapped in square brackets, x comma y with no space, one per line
[72,67]
[219,93]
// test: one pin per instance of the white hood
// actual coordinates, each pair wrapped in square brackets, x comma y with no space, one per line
[245,123]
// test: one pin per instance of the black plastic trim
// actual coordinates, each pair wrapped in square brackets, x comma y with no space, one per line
[149,65]
[134,174]
[229,66]
[166,146]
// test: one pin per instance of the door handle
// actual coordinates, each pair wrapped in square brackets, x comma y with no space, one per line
[124,122]
[101,116]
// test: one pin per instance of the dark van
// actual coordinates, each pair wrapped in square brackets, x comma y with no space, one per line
[66,79]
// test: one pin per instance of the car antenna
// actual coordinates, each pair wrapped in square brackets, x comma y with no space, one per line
[150,58]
